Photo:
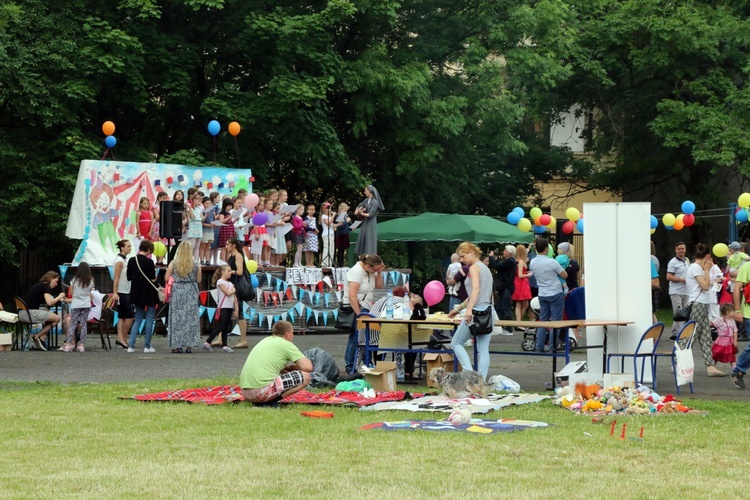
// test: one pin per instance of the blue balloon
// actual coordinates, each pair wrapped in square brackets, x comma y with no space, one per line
[110,141]
[670,228]
[214,127]
[579,226]
[688,207]
[654,222]
[254,280]
[741,215]
[513,218]
[539,229]
[520,211]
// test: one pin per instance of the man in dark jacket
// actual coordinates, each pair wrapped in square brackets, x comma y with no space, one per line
[503,283]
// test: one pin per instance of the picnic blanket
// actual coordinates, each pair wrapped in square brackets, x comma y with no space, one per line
[477,426]
[447,405]
[231,394]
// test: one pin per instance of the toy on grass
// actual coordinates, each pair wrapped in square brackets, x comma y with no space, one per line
[461,415]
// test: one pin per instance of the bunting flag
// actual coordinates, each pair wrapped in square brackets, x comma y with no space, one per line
[317,314]
[286,286]
[300,307]
[203,296]
[327,298]
[288,294]
[201,311]
[211,312]
[335,313]
[111,270]
[260,319]
[115,317]
[284,316]
[276,318]
[325,318]
[63,270]
[278,285]
[269,319]
[291,314]
[268,278]
[309,313]
[214,294]
[294,290]
[327,281]
[302,293]
[317,298]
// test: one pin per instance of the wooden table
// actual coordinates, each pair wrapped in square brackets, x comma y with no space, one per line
[560,325]
[391,326]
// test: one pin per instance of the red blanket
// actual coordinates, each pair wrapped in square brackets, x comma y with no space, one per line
[231,393]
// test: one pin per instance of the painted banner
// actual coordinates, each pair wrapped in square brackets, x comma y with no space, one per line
[105,202]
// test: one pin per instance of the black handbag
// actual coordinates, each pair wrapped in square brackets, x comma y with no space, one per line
[481,322]
[245,290]
[345,318]
[683,313]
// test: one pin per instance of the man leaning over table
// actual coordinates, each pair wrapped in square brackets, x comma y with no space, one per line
[275,368]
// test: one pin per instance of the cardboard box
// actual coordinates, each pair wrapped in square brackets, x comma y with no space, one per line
[563,377]
[382,377]
[619,380]
[6,341]
[438,360]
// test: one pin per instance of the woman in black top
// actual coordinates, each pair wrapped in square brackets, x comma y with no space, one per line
[39,299]
[236,260]
[142,275]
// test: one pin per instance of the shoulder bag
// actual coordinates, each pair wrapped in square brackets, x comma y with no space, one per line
[683,313]
[245,290]
[481,322]
[159,290]
[345,318]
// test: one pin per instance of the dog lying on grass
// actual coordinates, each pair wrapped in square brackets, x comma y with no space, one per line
[460,384]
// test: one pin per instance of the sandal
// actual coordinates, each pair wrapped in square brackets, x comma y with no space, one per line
[177,350]
[188,350]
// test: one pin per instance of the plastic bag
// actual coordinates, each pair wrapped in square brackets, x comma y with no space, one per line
[503,383]
[684,366]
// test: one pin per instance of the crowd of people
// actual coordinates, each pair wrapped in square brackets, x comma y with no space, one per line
[209,220]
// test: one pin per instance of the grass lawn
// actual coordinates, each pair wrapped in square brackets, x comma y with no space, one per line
[80,441]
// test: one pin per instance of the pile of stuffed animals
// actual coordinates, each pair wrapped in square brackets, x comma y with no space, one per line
[594,399]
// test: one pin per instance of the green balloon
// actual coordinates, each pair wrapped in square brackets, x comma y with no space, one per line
[550,251]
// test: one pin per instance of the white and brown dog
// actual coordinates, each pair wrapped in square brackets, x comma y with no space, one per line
[460,384]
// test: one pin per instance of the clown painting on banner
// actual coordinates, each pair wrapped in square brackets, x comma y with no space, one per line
[108,193]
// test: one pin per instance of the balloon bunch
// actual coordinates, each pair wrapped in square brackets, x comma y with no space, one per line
[541,222]
[214,127]
[743,203]
[680,221]
[108,128]
[575,221]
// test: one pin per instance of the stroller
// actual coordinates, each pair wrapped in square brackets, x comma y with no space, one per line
[574,309]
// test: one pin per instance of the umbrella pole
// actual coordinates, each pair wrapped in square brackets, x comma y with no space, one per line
[411,248]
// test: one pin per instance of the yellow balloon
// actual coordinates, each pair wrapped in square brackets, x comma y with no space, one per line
[535,212]
[744,200]
[573,214]
[160,249]
[653,231]
[721,250]
[524,225]
[552,223]
[668,219]
[251,266]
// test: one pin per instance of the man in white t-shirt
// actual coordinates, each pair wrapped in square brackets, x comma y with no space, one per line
[676,270]
[453,286]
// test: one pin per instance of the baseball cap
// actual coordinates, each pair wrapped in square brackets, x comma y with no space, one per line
[734,246]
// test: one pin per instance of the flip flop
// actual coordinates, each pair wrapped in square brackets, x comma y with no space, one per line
[177,350]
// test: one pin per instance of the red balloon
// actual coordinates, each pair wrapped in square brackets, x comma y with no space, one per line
[688,220]
[545,219]
[569,227]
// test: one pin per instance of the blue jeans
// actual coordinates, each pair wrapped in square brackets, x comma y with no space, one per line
[550,309]
[452,302]
[483,347]
[350,354]
[148,328]
[743,362]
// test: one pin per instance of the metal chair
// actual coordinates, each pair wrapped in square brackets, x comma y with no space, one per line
[24,326]
[103,322]
[684,338]
[652,333]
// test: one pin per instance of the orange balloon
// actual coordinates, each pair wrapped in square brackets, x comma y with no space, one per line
[234,128]
[108,128]
[537,221]
[678,224]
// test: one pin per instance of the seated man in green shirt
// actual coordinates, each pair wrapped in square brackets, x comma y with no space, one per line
[275,368]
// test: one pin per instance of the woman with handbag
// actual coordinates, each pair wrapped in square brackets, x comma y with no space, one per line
[143,294]
[236,260]
[361,280]
[184,302]
[698,284]
[479,287]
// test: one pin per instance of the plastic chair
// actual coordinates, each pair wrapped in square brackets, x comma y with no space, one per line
[652,333]
[24,325]
[685,338]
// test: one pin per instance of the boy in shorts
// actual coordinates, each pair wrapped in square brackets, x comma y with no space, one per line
[275,368]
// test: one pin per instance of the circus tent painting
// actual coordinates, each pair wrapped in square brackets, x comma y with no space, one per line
[107,194]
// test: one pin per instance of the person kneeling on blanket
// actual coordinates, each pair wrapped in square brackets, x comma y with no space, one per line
[275,368]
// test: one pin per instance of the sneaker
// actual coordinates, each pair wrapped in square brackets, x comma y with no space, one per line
[207,347]
[80,348]
[130,349]
[673,337]
[226,348]
[506,331]
[39,344]
[737,380]
[149,350]
[67,347]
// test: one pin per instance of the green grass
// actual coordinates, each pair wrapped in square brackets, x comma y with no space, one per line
[80,441]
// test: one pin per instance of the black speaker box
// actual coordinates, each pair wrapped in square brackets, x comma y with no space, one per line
[170,219]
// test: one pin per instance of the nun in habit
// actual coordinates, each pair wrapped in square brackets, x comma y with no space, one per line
[367,211]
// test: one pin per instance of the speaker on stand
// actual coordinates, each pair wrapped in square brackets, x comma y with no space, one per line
[170,222]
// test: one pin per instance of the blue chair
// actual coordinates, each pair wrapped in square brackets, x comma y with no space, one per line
[685,338]
[652,333]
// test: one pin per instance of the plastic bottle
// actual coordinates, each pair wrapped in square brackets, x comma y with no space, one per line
[389,305]
[406,307]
